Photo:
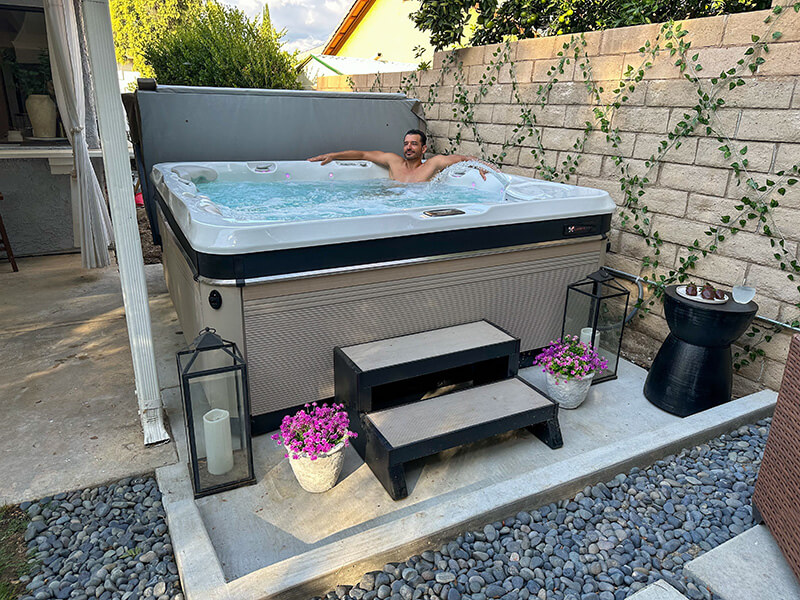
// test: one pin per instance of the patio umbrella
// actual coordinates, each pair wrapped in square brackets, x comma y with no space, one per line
[65,62]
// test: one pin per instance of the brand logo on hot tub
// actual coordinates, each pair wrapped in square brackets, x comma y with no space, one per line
[578,229]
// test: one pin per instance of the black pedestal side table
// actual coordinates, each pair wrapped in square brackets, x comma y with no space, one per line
[693,370]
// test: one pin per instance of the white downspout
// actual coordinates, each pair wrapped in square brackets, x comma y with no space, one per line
[111,121]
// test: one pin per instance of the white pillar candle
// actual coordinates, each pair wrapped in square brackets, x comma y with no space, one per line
[586,337]
[217,433]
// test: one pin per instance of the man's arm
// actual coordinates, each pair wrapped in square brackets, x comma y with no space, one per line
[442,161]
[379,158]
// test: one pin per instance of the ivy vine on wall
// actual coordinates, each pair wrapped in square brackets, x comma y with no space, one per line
[758,200]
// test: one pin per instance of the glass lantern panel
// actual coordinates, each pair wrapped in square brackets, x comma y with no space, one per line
[579,313]
[610,322]
[219,425]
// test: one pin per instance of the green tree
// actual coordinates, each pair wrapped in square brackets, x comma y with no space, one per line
[137,22]
[220,46]
[496,20]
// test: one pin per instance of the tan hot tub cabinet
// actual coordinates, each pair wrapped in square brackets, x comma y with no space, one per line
[288,325]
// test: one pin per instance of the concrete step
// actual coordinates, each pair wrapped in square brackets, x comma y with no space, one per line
[658,590]
[748,567]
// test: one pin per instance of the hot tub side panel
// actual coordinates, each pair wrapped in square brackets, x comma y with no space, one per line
[191,297]
[292,327]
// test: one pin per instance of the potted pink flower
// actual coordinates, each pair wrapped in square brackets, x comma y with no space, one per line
[570,365]
[315,438]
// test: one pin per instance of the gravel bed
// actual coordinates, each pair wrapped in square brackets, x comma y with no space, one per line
[109,542]
[605,543]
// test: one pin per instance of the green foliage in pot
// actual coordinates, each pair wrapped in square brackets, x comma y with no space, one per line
[31,78]
[220,46]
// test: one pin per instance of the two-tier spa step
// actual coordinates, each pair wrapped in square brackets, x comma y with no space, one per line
[404,433]
[478,350]
[398,395]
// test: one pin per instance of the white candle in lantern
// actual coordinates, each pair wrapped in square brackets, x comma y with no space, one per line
[217,433]
[586,337]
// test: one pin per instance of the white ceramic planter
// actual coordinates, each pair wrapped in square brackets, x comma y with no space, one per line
[319,475]
[42,113]
[569,393]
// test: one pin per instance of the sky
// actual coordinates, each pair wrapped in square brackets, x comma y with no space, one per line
[308,23]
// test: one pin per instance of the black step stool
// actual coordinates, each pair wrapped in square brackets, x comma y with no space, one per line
[382,385]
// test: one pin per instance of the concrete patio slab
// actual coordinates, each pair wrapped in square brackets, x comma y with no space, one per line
[746,567]
[275,540]
[66,378]
[659,590]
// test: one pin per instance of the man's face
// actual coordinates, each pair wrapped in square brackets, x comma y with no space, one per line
[412,147]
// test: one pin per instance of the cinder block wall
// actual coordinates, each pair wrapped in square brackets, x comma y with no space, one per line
[691,188]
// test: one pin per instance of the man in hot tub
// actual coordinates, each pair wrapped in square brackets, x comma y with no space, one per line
[408,168]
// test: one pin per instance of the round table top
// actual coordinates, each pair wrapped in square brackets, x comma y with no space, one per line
[727,307]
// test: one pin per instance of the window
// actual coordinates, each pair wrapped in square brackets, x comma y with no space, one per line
[28,112]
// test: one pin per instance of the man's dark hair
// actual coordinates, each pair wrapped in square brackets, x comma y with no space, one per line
[421,135]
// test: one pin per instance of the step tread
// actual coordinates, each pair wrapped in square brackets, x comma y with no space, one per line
[426,419]
[427,344]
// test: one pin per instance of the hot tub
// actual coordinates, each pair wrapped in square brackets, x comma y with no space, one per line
[260,252]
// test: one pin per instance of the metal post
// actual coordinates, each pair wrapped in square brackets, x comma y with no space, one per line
[111,122]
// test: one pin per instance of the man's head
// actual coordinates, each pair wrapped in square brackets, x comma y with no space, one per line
[414,144]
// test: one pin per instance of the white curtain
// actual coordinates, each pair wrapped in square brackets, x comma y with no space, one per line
[65,63]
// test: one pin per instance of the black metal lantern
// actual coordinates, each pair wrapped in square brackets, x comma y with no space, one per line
[595,311]
[216,405]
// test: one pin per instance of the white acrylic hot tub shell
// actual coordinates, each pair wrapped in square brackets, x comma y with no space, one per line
[208,231]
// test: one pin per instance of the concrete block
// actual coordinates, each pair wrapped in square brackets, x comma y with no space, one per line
[470,56]
[569,93]
[772,282]
[679,231]
[774,125]
[796,96]
[659,590]
[746,567]
[484,113]
[491,134]
[665,201]
[530,159]
[709,209]
[498,93]
[550,116]
[707,31]
[786,157]
[724,120]
[741,26]
[650,120]
[534,48]
[605,68]
[754,247]
[705,180]
[718,60]
[759,154]
[762,93]
[628,39]
[671,92]
[438,58]
[715,268]
[634,166]
[661,67]
[788,220]
[522,72]
[648,145]
[562,44]
[577,116]
[612,93]
[547,69]
[558,138]
[588,164]
[598,143]
[782,60]
[771,379]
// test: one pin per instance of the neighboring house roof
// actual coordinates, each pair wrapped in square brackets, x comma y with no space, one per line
[348,25]
[316,65]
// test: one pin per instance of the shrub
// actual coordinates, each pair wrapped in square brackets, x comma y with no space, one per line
[220,46]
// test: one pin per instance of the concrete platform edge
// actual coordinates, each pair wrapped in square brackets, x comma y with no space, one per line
[317,571]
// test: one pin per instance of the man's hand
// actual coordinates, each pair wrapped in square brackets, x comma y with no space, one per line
[323,158]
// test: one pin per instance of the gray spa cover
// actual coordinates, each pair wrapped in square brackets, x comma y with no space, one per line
[180,124]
